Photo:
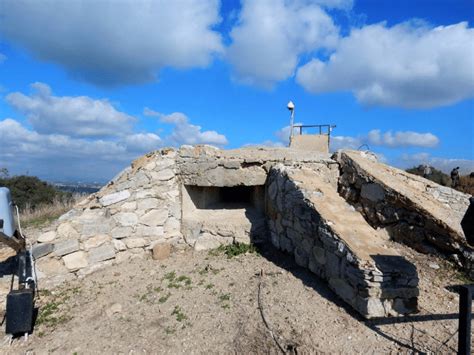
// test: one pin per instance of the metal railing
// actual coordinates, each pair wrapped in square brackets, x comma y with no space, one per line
[323,128]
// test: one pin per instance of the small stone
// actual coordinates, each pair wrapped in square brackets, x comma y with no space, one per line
[135,243]
[161,251]
[434,266]
[163,175]
[47,237]
[66,247]
[119,245]
[75,261]
[115,308]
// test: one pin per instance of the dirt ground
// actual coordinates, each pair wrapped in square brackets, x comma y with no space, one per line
[205,302]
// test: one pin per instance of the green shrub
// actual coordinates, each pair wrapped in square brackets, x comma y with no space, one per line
[31,192]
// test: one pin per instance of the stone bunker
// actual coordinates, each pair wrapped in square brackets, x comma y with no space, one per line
[334,215]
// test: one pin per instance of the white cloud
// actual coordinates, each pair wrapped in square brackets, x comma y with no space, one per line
[142,142]
[466,166]
[272,34]
[409,65]
[115,42]
[402,139]
[79,116]
[185,132]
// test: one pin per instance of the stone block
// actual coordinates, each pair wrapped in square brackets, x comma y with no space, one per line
[51,266]
[66,230]
[129,206]
[319,255]
[110,199]
[301,257]
[126,219]
[121,232]
[145,231]
[207,241]
[163,175]
[40,250]
[286,244]
[104,252]
[96,241]
[154,218]
[119,245]
[148,203]
[161,251]
[66,247]
[135,242]
[47,237]
[76,261]
[372,192]
[343,289]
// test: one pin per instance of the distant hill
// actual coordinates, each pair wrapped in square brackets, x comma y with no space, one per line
[466,182]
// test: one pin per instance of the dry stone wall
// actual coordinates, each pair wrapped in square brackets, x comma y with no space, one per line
[136,212]
[415,211]
[379,284]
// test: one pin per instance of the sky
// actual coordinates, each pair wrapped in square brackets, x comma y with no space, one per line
[86,86]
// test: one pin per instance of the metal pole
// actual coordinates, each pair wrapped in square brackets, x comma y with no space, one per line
[292,116]
[465,309]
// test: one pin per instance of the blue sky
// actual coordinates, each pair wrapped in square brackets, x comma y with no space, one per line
[87,86]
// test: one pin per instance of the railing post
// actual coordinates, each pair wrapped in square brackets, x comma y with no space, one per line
[464,331]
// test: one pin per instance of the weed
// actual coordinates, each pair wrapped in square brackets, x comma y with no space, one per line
[225,305]
[170,330]
[170,276]
[224,297]
[209,286]
[163,299]
[233,249]
[178,312]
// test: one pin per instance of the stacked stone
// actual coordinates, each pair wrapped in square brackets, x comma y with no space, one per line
[375,288]
[427,219]
[136,212]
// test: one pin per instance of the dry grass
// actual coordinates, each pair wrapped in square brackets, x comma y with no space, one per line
[46,213]
[466,184]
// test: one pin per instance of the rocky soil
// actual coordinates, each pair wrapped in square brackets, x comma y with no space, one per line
[206,302]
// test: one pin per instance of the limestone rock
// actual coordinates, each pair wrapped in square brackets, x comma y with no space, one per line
[47,237]
[110,199]
[67,231]
[121,232]
[119,245]
[104,252]
[126,219]
[161,251]
[75,261]
[40,250]
[96,241]
[66,247]
[51,266]
[207,241]
[154,217]
[135,243]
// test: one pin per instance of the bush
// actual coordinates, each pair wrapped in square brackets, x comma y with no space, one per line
[436,175]
[30,192]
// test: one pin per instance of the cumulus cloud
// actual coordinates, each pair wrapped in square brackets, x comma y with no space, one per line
[466,166]
[402,139]
[272,34]
[115,42]
[409,65]
[79,116]
[184,132]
